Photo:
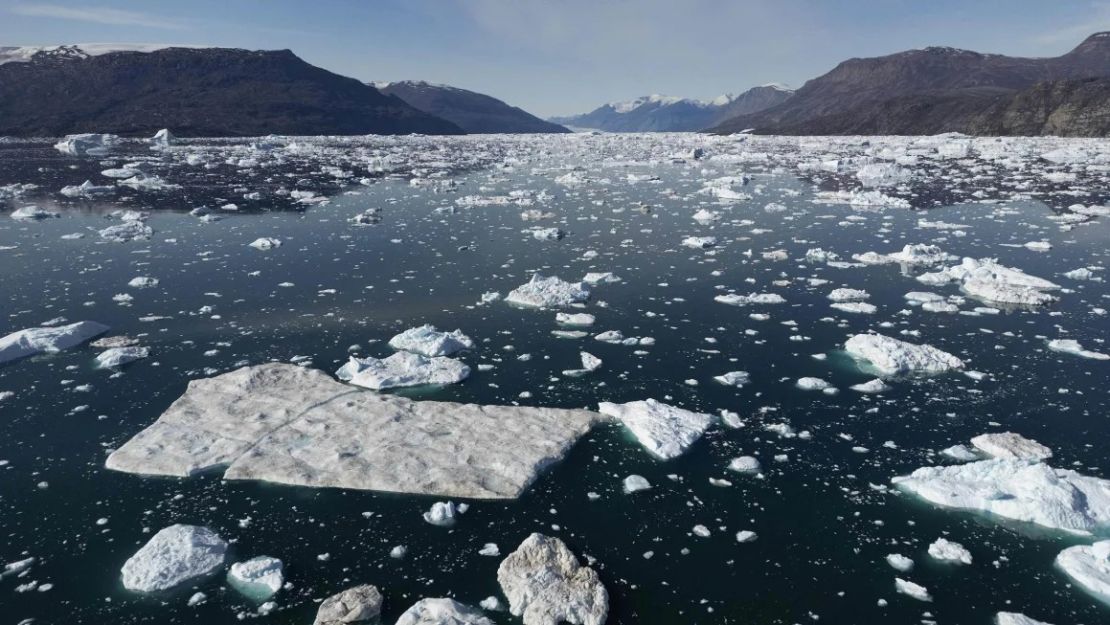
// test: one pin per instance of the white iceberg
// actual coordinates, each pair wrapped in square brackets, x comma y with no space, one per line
[1011,446]
[663,430]
[86,143]
[119,356]
[174,555]
[947,551]
[1071,346]
[546,585]
[1089,567]
[427,341]
[31,341]
[442,612]
[402,369]
[550,292]
[892,356]
[257,579]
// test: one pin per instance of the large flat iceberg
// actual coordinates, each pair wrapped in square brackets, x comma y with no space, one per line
[291,425]
[1021,490]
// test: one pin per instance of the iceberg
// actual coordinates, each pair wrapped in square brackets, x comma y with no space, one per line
[550,292]
[257,579]
[1010,445]
[174,555]
[293,425]
[545,584]
[427,341]
[442,612]
[119,356]
[1089,567]
[891,356]
[32,341]
[402,369]
[86,144]
[358,604]
[1071,346]
[665,431]
[1020,490]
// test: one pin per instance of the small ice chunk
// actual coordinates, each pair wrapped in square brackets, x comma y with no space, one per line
[635,483]
[900,562]
[443,513]
[265,243]
[872,386]
[1071,346]
[892,356]
[119,356]
[402,369]
[745,464]
[911,589]
[548,292]
[1089,567]
[948,551]
[427,341]
[1011,445]
[257,579]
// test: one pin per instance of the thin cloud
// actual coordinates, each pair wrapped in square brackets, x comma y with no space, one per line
[96,15]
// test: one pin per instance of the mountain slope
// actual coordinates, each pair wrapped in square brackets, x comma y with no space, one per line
[919,91]
[471,111]
[194,92]
[658,113]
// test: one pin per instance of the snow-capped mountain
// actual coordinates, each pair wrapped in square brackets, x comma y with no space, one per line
[473,112]
[24,54]
[660,113]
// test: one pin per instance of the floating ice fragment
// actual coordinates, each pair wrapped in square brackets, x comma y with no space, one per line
[173,556]
[663,430]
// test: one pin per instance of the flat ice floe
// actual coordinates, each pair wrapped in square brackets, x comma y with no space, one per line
[119,356]
[1020,490]
[402,369]
[1071,346]
[546,585]
[1011,446]
[1089,567]
[892,356]
[48,340]
[548,292]
[173,556]
[292,425]
[665,431]
[427,341]
[1015,618]
[750,299]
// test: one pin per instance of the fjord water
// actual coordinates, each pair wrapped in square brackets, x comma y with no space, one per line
[825,515]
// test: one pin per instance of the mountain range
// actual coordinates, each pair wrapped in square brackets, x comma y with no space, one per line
[937,90]
[473,112]
[657,113]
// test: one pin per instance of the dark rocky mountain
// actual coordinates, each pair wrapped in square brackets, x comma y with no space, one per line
[935,90]
[658,113]
[471,111]
[194,92]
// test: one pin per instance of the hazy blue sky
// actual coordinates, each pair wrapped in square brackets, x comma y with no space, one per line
[567,56]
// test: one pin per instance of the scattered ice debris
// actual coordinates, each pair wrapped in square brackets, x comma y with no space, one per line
[443,513]
[358,604]
[427,341]
[863,199]
[119,356]
[665,431]
[546,234]
[1010,446]
[545,584]
[265,243]
[891,356]
[882,175]
[550,292]
[258,579]
[947,551]
[751,299]
[294,425]
[911,589]
[1089,567]
[402,369]
[91,144]
[442,612]
[173,556]
[635,483]
[1020,490]
[48,340]
[1071,346]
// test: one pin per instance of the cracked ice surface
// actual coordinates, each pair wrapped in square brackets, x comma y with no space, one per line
[282,423]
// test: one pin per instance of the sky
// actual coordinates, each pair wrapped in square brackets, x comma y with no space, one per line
[555,57]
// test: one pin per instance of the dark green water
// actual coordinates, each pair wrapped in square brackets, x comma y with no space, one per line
[824,530]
